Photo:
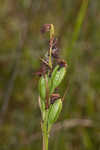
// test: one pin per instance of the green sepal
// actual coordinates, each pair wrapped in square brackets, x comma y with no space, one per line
[57,77]
[54,112]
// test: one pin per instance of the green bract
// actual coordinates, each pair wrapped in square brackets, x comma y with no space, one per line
[54,112]
[57,77]
[44,84]
[54,72]
[42,107]
[42,87]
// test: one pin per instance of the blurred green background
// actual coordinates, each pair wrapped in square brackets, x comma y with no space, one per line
[77,26]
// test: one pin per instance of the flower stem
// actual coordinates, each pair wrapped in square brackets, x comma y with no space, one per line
[45,141]
[50,51]
[50,62]
[45,136]
[45,131]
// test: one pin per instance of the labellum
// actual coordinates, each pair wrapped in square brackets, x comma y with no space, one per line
[54,97]
[62,63]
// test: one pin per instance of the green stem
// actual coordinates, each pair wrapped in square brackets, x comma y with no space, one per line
[45,131]
[50,61]
[45,141]
[50,52]
[45,136]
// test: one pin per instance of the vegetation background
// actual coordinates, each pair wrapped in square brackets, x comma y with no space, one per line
[77,25]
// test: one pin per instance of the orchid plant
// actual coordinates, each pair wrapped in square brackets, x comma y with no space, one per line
[51,74]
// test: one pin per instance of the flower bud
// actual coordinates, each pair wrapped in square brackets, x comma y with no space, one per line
[42,87]
[54,112]
[57,76]
[45,28]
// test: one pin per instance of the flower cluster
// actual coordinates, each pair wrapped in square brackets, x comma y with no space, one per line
[51,74]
